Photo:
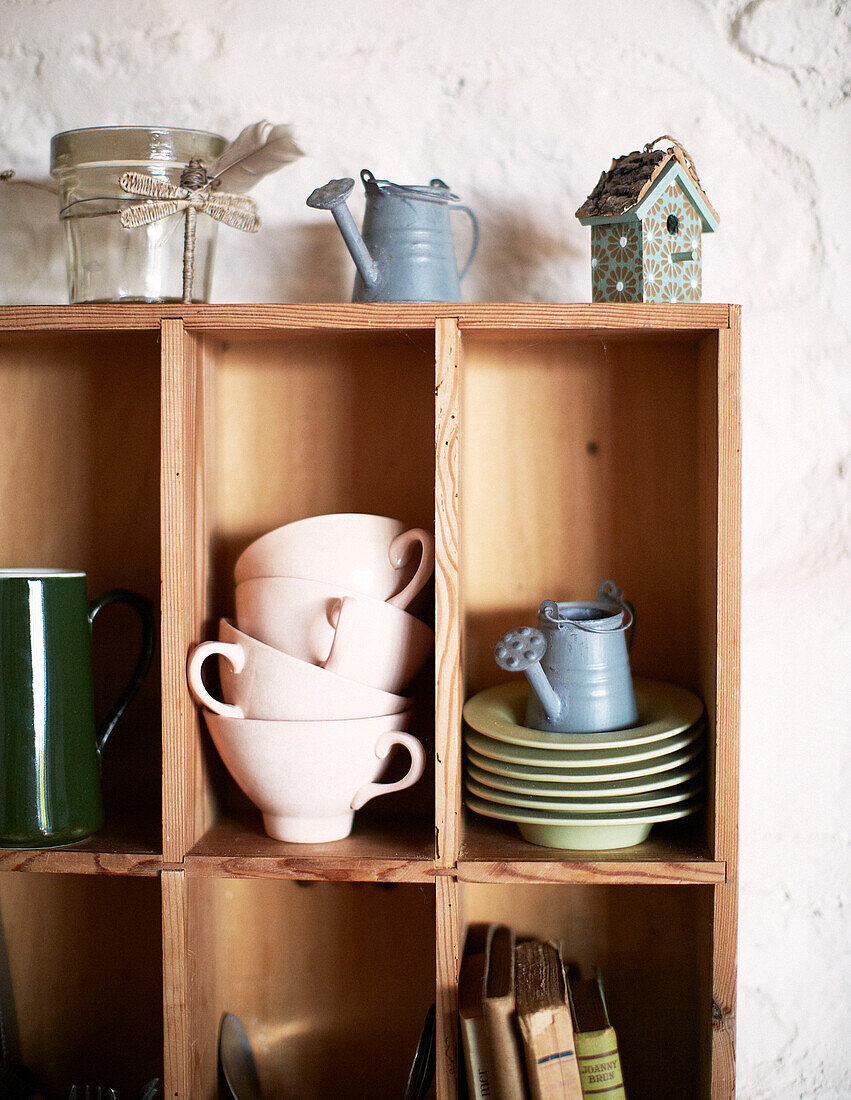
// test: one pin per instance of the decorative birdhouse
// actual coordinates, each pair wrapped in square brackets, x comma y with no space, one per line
[647,215]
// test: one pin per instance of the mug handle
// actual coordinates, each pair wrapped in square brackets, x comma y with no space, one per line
[145,610]
[235,655]
[382,747]
[399,548]
[345,628]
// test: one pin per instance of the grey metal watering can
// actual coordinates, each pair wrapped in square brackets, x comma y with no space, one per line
[406,252]
[577,663]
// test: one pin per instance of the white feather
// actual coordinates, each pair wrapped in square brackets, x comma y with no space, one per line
[260,149]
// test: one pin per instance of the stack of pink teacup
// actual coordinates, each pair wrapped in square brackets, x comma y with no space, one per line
[312,670]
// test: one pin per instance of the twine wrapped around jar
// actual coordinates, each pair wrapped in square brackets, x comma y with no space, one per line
[194,194]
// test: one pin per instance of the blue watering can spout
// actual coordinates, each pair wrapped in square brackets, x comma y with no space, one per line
[521,651]
[333,197]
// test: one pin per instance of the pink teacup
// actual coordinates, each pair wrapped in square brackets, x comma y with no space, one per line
[358,552]
[352,635]
[308,778]
[264,683]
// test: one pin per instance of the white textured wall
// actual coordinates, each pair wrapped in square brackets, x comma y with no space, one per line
[519,105]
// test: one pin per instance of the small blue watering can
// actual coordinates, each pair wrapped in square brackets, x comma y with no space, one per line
[577,663]
[406,252]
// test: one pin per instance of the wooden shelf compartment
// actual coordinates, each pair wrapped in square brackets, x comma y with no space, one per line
[674,853]
[331,980]
[80,421]
[290,424]
[379,849]
[85,961]
[586,457]
[653,945]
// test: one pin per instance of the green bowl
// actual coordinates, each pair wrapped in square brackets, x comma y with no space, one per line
[595,838]
[582,833]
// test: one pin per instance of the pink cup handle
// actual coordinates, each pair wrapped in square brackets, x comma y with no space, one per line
[346,629]
[399,549]
[382,747]
[233,653]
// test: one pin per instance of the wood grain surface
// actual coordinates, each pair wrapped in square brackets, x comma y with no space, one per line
[176,1017]
[449,1060]
[499,316]
[447,663]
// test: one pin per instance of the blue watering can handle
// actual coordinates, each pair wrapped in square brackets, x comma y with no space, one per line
[608,590]
[475,245]
[613,595]
[435,191]
[631,623]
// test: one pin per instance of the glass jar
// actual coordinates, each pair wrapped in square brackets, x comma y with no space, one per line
[107,263]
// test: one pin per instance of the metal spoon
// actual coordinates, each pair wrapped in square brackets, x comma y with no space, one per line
[238,1078]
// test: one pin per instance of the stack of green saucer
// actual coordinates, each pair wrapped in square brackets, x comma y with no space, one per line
[586,791]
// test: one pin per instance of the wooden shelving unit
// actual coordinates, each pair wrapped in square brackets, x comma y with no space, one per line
[548,446]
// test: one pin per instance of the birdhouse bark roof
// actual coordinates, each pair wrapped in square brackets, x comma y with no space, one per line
[630,178]
[623,185]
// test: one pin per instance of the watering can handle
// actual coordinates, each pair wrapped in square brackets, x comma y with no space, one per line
[631,626]
[475,244]
[610,592]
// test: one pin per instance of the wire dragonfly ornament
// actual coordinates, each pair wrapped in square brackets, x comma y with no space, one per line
[258,150]
[195,194]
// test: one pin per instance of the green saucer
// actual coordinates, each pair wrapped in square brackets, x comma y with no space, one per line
[580,758]
[569,803]
[589,833]
[664,709]
[661,782]
[570,776]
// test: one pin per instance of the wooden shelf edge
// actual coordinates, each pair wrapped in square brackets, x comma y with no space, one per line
[310,870]
[75,862]
[375,852]
[609,871]
[129,847]
[626,317]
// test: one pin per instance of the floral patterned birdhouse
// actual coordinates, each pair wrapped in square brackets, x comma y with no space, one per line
[647,216]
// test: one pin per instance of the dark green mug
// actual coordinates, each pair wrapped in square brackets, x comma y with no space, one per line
[50,748]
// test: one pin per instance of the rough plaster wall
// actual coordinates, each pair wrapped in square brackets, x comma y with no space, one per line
[520,106]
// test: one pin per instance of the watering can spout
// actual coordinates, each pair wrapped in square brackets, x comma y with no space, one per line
[521,651]
[333,197]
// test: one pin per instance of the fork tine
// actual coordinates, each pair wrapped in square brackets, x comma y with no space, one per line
[92,1092]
